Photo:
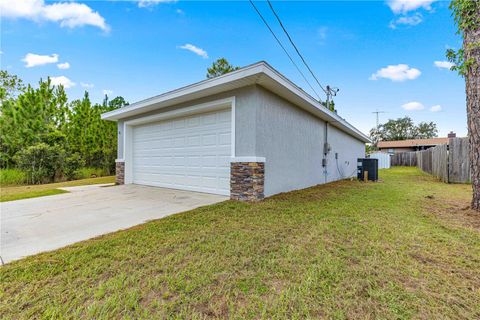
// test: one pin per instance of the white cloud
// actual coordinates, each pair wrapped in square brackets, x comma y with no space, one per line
[408,21]
[63,66]
[67,14]
[413,106]
[33,60]
[404,6]
[62,80]
[149,3]
[436,108]
[180,11]
[198,51]
[399,72]
[86,85]
[444,64]
[107,92]
[322,34]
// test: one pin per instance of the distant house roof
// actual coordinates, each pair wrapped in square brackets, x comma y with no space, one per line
[411,143]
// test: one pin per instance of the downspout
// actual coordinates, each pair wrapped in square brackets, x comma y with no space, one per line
[325,153]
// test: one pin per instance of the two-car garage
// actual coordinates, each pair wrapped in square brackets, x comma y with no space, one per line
[189,152]
[183,151]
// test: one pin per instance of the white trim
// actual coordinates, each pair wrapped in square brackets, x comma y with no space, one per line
[232,133]
[247,159]
[119,160]
[124,139]
[127,151]
[260,73]
[185,111]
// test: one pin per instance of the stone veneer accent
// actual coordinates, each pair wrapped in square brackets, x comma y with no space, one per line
[247,181]
[119,172]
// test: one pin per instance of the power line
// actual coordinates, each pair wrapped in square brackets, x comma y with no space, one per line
[284,50]
[296,49]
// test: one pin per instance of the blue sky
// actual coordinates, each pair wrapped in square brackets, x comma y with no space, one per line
[381,54]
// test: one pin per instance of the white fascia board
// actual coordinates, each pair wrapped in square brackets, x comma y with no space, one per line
[247,159]
[199,108]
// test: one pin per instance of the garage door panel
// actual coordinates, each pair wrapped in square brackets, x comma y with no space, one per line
[179,123]
[180,153]
[209,119]
[206,137]
[223,117]
[193,122]
[194,141]
[219,128]
[224,139]
[209,140]
[191,153]
[182,159]
[186,150]
[225,160]
[184,171]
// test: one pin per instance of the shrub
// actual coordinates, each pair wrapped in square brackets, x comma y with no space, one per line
[41,162]
[85,173]
[72,165]
[12,177]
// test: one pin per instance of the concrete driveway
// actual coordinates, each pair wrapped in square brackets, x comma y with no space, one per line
[36,225]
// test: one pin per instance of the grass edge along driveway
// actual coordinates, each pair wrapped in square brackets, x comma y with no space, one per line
[398,249]
[11,193]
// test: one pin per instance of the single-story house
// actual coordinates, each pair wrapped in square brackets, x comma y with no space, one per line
[398,146]
[249,134]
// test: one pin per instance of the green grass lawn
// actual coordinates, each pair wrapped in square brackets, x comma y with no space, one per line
[406,247]
[10,193]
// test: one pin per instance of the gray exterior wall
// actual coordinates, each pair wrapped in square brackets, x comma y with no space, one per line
[348,150]
[292,142]
[290,139]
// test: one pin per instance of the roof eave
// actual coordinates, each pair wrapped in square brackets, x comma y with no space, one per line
[259,73]
[137,107]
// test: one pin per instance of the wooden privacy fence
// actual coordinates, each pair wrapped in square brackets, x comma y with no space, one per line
[447,162]
[458,161]
[407,159]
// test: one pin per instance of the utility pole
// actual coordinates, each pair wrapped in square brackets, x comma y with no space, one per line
[377,113]
[331,92]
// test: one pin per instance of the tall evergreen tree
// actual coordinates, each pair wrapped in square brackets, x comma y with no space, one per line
[219,67]
[33,117]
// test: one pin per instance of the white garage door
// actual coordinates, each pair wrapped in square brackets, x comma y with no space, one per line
[189,153]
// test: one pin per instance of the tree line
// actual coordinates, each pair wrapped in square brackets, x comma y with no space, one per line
[50,137]
[403,129]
